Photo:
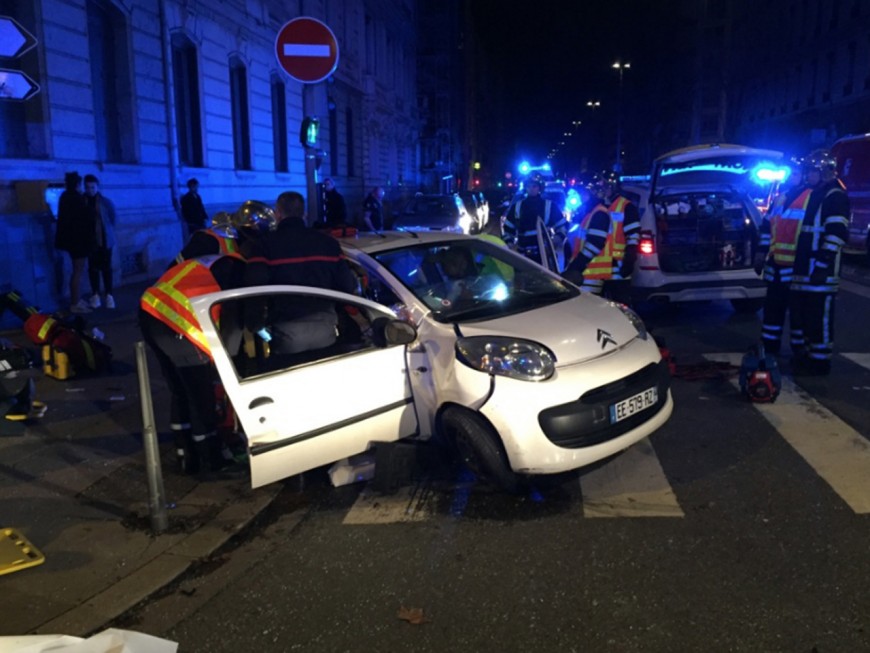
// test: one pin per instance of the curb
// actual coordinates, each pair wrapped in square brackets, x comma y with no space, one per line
[91,615]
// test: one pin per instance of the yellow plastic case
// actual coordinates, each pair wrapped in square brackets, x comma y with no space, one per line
[55,363]
[16,552]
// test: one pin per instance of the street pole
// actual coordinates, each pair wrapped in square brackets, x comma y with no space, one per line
[308,104]
[156,495]
[617,168]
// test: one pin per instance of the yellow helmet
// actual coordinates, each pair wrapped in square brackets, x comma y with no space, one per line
[255,215]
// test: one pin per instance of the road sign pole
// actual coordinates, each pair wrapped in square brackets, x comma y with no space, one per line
[308,103]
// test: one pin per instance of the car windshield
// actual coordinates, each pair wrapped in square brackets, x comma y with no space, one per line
[473,279]
[432,206]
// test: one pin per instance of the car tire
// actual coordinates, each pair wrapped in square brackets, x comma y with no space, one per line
[748,305]
[478,447]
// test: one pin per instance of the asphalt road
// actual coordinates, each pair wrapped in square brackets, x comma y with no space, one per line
[735,528]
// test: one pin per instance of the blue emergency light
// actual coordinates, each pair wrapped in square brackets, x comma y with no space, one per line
[767,173]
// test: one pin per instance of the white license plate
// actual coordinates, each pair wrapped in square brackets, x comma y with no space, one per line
[628,407]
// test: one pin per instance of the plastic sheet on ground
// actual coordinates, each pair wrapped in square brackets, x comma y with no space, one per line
[109,641]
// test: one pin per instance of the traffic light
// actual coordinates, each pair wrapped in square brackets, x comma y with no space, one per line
[308,131]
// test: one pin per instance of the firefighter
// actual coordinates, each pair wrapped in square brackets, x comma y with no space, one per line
[521,223]
[774,261]
[591,261]
[626,237]
[823,233]
[229,232]
[173,332]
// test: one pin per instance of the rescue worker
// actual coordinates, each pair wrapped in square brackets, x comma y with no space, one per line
[295,254]
[521,222]
[591,261]
[228,233]
[816,278]
[626,236]
[774,261]
[173,332]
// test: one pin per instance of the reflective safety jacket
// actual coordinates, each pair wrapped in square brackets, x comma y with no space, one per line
[823,233]
[785,227]
[592,251]
[521,223]
[168,300]
[207,242]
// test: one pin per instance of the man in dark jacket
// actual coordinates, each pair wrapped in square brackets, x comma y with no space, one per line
[296,255]
[192,209]
[75,235]
[334,207]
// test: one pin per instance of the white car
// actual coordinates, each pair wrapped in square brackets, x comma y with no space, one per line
[455,337]
[699,225]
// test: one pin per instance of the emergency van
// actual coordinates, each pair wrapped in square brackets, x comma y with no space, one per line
[853,168]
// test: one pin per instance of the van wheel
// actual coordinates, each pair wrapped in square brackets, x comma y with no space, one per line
[748,305]
[478,447]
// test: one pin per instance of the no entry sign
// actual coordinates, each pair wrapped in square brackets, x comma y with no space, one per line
[307,50]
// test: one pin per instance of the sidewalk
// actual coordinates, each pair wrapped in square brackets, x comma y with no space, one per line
[75,486]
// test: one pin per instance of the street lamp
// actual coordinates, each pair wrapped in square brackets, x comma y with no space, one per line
[621,67]
[593,104]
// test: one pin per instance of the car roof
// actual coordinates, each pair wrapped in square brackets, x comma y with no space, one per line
[696,152]
[373,242]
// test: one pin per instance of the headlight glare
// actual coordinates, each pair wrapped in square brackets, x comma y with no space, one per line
[510,357]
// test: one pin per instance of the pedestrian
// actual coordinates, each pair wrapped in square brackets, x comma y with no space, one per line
[774,262]
[192,209]
[591,261]
[100,260]
[373,210]
[626,237]
[824,230]
[75,235]
[296,255]
[171,329]
[521,222]
[334,207]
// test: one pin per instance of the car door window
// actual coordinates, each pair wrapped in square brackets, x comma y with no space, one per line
[303,329]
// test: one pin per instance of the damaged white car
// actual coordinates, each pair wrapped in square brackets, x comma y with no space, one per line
[455,337]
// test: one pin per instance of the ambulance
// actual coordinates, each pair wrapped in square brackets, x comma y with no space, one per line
[853,168]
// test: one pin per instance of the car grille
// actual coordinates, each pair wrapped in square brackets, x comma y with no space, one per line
[586,421]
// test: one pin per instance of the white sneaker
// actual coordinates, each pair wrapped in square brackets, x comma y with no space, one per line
[110,301]
[94,301]
[80,307]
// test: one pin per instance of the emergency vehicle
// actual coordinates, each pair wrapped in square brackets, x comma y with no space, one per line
[853,169]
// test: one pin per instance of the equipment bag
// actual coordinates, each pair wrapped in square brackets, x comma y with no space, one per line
[760,378]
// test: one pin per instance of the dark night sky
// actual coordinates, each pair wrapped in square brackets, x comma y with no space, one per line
[555,56]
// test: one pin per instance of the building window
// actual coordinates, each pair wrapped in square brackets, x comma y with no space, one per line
[23,123]
[185,83]
[108,44]
[333,137]
[279,124]
[348,117]
[241,123]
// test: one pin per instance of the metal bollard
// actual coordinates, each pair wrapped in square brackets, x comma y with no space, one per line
[156,498]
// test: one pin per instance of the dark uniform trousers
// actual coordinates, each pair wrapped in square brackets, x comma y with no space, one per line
[779,302]
[815,310]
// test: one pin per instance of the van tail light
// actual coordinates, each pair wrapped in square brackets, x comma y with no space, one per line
[647,245]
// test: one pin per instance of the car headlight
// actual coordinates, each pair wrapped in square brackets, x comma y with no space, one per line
[511,357]
[634,318]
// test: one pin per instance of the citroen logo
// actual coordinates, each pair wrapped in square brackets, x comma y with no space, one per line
[605,338]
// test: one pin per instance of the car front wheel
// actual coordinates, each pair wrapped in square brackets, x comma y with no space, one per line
[478,447]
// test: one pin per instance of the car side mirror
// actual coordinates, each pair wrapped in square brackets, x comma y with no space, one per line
[388,332]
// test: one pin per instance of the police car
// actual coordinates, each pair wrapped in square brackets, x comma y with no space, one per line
[451,337]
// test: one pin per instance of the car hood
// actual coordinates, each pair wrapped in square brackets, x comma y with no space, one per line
[576,330]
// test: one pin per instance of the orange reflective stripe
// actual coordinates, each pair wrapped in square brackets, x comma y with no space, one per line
[785,229]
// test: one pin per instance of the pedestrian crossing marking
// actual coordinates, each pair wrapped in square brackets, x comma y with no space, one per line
[861,359]
[408,504]
[838,453]
[854,288]
[631,485]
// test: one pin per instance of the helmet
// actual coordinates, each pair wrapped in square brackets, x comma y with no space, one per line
[255,215]
[222,224]
[821,161]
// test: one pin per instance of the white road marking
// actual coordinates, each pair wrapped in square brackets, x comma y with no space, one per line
[855,288]
[838,453]
[305,50]
[408,504]
[631,485]
[861,359]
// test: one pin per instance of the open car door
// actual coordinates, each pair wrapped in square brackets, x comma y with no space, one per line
[549,258]
[304,410]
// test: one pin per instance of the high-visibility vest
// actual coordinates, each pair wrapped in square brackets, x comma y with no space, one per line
[600,267]
[168,300]
[617,219]
[785,227]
